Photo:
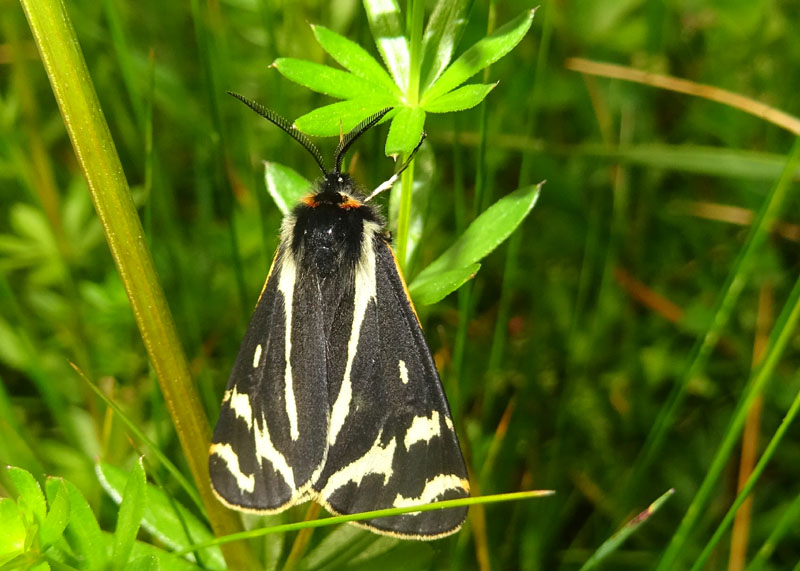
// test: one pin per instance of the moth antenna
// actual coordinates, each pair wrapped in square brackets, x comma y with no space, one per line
[350,138]
[393,179]
[287,127]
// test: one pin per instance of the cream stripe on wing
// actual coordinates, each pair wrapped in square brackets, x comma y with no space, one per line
[286,287]
[376,460]
[365,291]
[433,489]
[227,455]
[240,405]
[422,429]
[265,449]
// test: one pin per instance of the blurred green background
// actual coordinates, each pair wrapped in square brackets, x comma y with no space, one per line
[557,358]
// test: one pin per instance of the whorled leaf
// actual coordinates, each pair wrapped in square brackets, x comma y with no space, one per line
[31,499]
[442,33]
[353,58]
[57,518]
[164,517]
[285,185]
[84,532]
[386,23]
[465,97]
[326,79]
[484,53]
[405,131]
[485,233]
[436,286]
[130,515]
[12,539]
[341,117]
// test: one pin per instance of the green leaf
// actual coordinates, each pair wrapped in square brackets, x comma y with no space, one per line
[465,97]
[484,53]
[285,185]
[88,541]
[164,517]
[146,563]
[354,58]
[441,37]
[386,23]
[341,117]
[485,233]
[12,540]
[325,79]
[57,518]
[130,515]
[406,131]
[435,287]
[31,499]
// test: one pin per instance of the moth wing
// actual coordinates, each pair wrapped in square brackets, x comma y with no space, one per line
[270,436]
[397,446]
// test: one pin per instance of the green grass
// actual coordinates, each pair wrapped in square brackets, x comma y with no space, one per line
[604,351]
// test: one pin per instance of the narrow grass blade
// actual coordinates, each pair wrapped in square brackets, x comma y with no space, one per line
[777,344]
[613,542]
[705,343]
[515,496]
[781,336]
[166,462]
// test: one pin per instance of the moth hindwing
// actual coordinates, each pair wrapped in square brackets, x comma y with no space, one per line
[334,395]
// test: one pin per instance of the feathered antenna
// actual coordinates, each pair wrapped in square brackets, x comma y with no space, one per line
[276,119]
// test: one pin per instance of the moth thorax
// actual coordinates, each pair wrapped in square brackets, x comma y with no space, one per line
[328,233]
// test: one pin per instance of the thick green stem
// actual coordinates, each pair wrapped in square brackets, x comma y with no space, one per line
[404,213]
[94,147]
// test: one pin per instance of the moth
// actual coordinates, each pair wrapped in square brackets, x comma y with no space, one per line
[334,395]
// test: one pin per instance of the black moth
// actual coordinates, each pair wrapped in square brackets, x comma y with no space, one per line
[334,395]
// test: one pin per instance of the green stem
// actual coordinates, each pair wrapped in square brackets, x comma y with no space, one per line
[404,213]
[74,92]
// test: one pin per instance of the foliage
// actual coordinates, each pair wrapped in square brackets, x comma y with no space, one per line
[608,348]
